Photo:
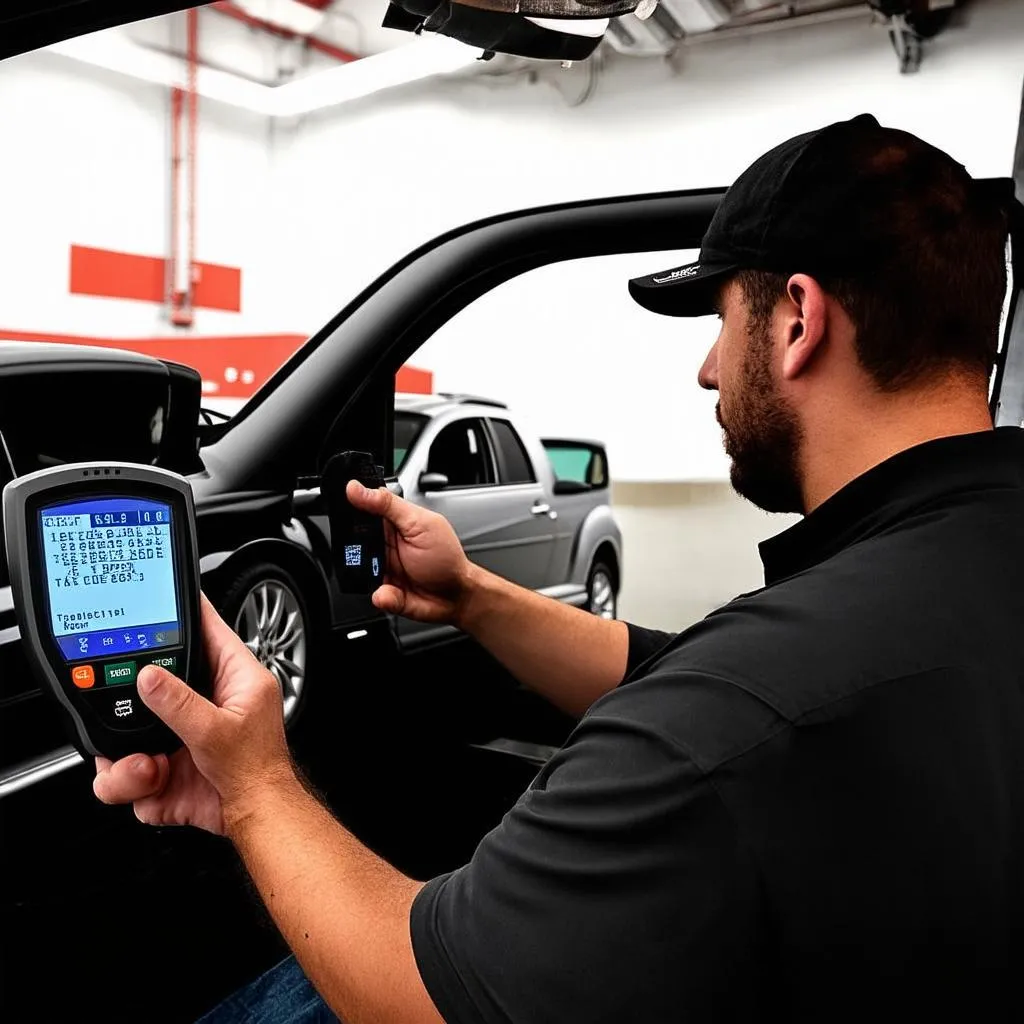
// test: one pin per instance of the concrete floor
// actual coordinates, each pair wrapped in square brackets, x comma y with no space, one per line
[687,548]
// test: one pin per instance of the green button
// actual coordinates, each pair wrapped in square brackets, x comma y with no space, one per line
[120,673]
[169,662]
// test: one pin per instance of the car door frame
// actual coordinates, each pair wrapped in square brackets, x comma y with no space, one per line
[385,324]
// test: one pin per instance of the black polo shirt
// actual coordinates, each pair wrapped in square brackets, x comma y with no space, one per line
[808,806]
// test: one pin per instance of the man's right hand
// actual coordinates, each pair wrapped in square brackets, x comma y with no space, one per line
[564,653]
[428,575]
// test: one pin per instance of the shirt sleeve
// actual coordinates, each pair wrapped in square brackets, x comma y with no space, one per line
[643,644]
[615,890]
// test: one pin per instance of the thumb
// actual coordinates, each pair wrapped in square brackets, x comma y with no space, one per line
[389,598]
[381,502]
[176,704]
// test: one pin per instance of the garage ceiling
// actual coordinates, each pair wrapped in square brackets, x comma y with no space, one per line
[352,28]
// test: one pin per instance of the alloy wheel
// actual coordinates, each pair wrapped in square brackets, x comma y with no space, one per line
[271,624]
[602,595]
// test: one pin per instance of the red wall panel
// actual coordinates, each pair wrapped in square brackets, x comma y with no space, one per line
[118,275]
[217,287]
[124,275]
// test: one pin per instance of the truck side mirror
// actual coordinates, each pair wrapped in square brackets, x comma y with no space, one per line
[432,482]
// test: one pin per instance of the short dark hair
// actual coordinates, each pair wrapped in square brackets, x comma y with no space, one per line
[929,301]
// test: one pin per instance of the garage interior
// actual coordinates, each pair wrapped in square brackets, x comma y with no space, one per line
[290,174]
[211,187]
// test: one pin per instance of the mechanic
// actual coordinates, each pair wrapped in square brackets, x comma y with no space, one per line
[809,805]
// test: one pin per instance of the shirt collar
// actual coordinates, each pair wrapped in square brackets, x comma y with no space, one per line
[887,492]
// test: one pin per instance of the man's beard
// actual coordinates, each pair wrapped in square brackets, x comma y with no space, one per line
[762,437]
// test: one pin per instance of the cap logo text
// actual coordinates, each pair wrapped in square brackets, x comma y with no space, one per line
[677,274]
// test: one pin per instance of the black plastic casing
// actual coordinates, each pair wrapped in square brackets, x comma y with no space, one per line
[351,526]
[88,714]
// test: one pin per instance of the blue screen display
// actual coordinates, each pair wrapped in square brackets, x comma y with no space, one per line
[110,576]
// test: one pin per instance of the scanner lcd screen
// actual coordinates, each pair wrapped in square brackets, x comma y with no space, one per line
[110,576]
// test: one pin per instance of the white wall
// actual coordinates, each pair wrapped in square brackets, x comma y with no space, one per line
[567,345]
[687,548]
[362,184]
[87,161]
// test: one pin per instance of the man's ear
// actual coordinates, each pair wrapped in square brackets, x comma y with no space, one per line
[804,314]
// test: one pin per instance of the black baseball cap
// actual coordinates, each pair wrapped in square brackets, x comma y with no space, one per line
[816,204]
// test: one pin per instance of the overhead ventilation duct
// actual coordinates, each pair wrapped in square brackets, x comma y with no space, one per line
[676,23]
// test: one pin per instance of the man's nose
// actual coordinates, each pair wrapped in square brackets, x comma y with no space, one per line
[707,376]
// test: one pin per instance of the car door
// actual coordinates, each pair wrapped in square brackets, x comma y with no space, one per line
[492,499]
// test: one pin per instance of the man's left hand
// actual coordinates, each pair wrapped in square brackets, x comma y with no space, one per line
[235,745]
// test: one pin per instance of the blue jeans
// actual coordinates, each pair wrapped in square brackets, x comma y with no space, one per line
[281,996]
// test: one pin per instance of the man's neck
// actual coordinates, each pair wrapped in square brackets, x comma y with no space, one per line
[849,445]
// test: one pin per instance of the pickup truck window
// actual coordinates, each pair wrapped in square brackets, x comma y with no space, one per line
[461,451]
[515,463]
[407,428]
[577,461]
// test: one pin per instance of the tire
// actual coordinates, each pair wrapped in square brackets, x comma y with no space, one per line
[602,594]
[265,606]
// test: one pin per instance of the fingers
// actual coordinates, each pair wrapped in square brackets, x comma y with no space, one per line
[175,703]
[381,502]
[132,778]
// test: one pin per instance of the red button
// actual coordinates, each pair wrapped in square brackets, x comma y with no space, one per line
[83,676]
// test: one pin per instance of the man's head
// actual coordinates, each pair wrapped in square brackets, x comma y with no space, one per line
[854,266]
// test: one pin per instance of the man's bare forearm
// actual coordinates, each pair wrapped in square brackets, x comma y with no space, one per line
[563,653]
[343,911]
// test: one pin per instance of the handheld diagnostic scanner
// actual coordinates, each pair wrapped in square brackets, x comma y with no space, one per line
[104,571]
[357,538]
